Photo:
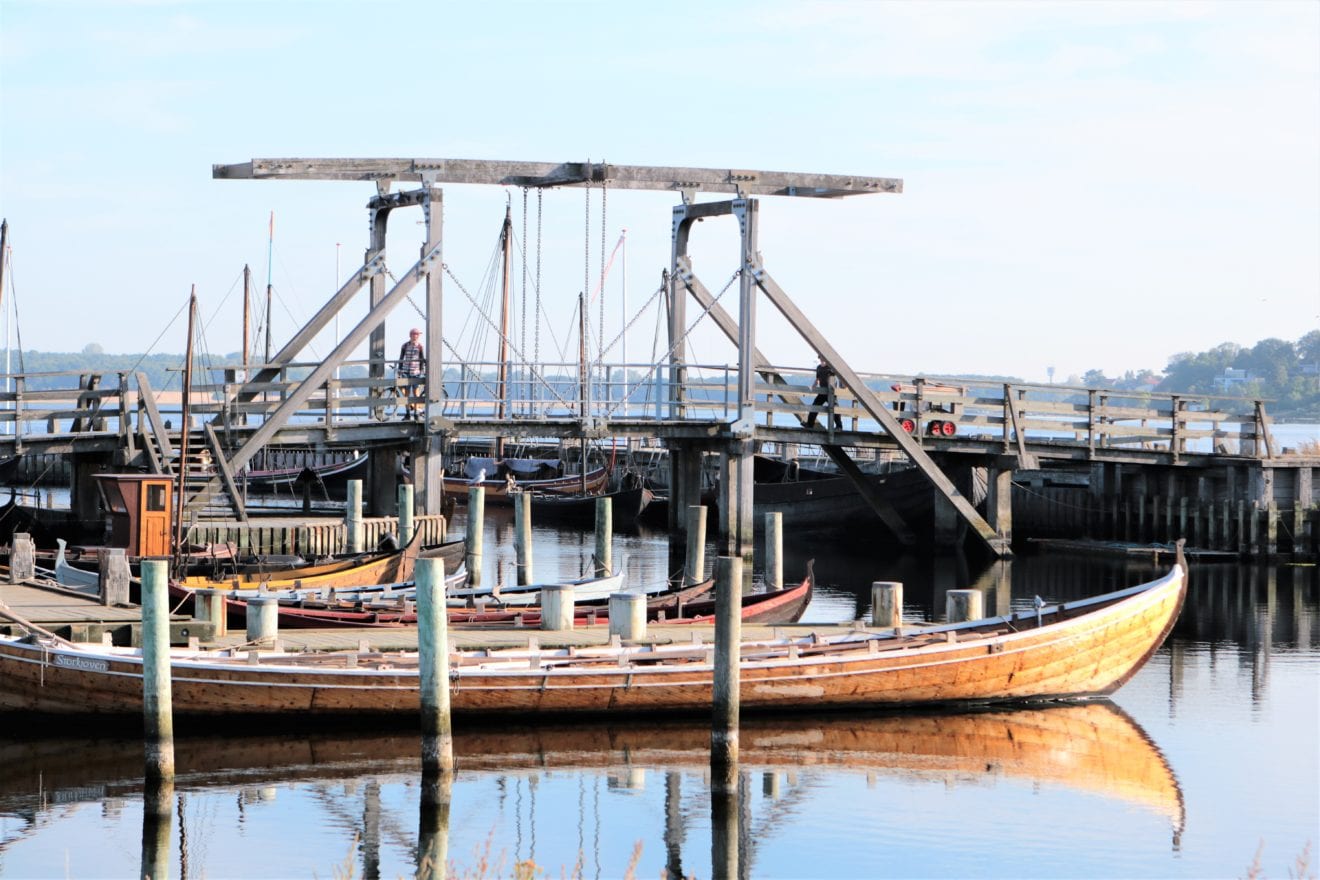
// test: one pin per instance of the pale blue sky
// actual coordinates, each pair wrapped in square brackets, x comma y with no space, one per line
[1087,185]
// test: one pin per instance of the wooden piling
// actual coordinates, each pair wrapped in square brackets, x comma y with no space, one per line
[963,605]
[628,616]
[157,825]
[433,826]
[263,622]
[476,524]
[728,650]
[433,663]
[209,605]
[887,603]
[522,537]
[557,607]
[115,575]
[694,567]
[22,558]
[604,537]
[405,513]
[353,517]
[157,703]
[774,550]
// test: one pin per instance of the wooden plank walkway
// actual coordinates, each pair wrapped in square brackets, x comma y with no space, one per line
[67,611]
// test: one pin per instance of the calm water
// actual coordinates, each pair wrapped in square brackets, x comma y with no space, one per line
[1208,755]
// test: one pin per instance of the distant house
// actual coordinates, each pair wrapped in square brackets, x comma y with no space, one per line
[1231,380]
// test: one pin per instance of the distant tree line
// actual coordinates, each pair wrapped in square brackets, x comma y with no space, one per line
[1287,374]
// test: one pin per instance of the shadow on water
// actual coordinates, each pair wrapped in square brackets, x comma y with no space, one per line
[1094,748]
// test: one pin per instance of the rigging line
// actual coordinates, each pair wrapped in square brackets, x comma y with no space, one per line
[655,365]
[152,347]
[522,251]
[536,333]
[586,243]
[18,325]
[216,313]
[535,372]
[642,310]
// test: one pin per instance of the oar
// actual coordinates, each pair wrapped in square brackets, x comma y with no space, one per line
[32,627]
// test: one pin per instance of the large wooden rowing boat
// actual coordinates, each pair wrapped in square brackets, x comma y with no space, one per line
[1078,649]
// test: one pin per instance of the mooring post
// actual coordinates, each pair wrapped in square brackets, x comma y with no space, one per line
[157,705]
[557,607]
[725,815]
[263,620]
[476,525]
[433,671]
[694,568]
[353,518]
[728,652]
[22,558]
[115,576]
[961,605]
[774,550]
[887,604]
[522,536]
[209,605]
[604,537]
[628,616]
[405,513]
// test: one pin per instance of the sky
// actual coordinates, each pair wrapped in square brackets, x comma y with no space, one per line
[1085,185]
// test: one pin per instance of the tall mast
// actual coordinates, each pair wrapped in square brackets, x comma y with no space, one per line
[186,428]
[247,316]
[582,378]
[4,260]
[501,385]
[270,248]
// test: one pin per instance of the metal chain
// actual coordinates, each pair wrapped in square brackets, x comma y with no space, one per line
[522,325]
[586,249]
[536,331]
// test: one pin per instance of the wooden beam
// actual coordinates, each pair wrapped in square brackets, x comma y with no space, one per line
[883,509]
[226,473]
[157,436]
[550,174]
[873,405]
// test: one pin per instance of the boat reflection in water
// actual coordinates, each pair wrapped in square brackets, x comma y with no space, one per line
[1094,748]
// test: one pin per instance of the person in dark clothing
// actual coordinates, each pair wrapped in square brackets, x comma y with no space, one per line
[412,367]
[825,382]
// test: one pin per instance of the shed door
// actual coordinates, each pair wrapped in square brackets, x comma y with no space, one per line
[154,525]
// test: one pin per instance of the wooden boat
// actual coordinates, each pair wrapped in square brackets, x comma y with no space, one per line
[626,506]
[1093,748]
[498,488]
[1080,649]
[832,506]
[588,589]
[770,607]
[329,475]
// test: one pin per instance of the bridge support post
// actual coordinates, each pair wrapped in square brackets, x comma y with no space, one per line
[999,501]
[685,463]
[84,496]
[382,478]
[736,522]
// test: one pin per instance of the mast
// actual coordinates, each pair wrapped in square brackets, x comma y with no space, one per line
[582,379]
[270,248]
[186,428]
[247,316]
[501,385]
[4,260]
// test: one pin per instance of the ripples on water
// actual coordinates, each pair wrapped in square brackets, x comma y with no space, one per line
[1207,753]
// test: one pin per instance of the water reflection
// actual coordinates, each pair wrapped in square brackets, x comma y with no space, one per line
[1093,748]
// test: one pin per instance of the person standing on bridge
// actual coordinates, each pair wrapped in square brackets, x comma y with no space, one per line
[825,382]
[412,367]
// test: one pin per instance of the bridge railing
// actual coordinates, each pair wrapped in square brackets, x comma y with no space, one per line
[66,401]
[948,408]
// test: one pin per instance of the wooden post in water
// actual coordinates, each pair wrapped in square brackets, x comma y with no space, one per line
[694,568]
[157,823]
[22,558]
[353,518]
[887,603]
[263,621]
[522,536]
[604,537]
[774,550]
[115,576]
[476,524]
[725,814]
[157,705]
[557,607]
[961,605]
[406,525]
[433,673]
[728,652]
[628,616]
